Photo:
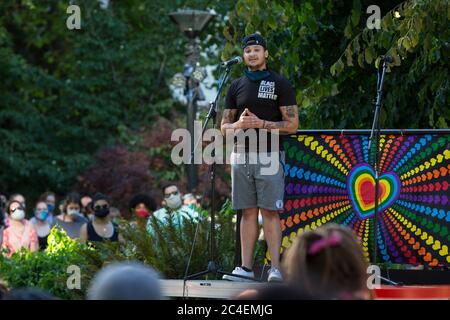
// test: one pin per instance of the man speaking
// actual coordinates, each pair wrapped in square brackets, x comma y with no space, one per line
[260,100]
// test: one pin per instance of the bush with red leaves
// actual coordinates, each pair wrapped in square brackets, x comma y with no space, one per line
[118,173]
[121,171]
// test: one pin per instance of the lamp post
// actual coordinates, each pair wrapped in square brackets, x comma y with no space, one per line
[192,23]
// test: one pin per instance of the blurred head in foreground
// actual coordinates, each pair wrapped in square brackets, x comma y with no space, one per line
[28,294]
[125,281]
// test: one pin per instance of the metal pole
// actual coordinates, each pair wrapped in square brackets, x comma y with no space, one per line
[376,131]
[191,112]
[192,53]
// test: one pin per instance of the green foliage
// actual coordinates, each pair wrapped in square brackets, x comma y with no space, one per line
[416,35]
[67,93]
[335,78]
[167,250]
[47,269]
[168,247]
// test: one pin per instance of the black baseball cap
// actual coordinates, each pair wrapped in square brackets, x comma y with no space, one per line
[254,39]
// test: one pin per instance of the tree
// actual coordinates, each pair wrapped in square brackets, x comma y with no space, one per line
[416,35]
[310,42]
[68,93]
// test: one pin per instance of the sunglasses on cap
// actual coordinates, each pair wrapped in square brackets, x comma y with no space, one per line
[18,208]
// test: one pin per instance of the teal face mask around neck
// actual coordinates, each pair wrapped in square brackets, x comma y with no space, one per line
[256,75]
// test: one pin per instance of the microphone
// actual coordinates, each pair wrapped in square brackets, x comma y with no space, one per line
[235,60]
[387,58]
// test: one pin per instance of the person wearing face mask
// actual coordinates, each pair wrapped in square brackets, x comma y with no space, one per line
[115,215]
[141,207]
[173,209]
[101,227]
[191,200]
[49,198]
[19,198]
[20,233]
[41,224]
[71,220]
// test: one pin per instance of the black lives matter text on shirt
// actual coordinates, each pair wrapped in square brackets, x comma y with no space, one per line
[263,98]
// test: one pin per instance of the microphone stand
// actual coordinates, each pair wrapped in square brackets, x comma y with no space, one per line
[212,113]
[376,132]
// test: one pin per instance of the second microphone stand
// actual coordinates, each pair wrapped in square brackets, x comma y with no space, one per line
[376,132]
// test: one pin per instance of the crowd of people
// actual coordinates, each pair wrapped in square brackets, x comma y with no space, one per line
[87,218]
[325,263]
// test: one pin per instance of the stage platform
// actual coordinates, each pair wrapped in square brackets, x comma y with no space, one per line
[210,289]
[222,289]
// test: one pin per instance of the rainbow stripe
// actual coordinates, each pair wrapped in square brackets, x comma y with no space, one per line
[329,179]
[361,190]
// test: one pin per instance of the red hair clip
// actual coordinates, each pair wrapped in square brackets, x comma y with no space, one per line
[333,240]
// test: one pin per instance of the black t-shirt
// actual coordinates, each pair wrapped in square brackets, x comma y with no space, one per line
[43,243]
[93,236]
[263,98]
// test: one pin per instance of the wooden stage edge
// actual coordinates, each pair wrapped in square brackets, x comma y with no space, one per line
[222,289]
[212,289]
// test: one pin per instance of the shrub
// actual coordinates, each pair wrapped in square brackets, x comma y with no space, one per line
[167,250]
[47,269]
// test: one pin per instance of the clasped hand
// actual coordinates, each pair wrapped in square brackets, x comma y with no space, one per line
[248,120]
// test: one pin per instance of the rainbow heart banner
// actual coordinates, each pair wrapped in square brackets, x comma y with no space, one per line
[361,190]
[330,178]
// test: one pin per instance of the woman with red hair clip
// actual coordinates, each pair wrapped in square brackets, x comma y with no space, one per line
[328,263]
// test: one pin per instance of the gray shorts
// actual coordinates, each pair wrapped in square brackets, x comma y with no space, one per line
[257,182]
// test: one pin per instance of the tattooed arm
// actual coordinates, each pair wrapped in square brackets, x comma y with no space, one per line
[228,119]
[289,124]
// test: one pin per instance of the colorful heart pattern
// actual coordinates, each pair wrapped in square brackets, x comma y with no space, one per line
[361,190]
[329,179]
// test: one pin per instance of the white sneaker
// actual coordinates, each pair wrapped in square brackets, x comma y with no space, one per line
[274,275]
[241,272]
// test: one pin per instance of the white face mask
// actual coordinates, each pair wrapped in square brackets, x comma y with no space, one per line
[18,215]
[174,201]
[73,212]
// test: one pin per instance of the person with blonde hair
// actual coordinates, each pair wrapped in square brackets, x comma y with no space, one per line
[328,263]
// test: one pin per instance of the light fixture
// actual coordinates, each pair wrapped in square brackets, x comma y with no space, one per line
[191,22]
[178,80]
[199,74]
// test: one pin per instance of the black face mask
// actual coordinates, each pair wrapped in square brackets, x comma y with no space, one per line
[101,213]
